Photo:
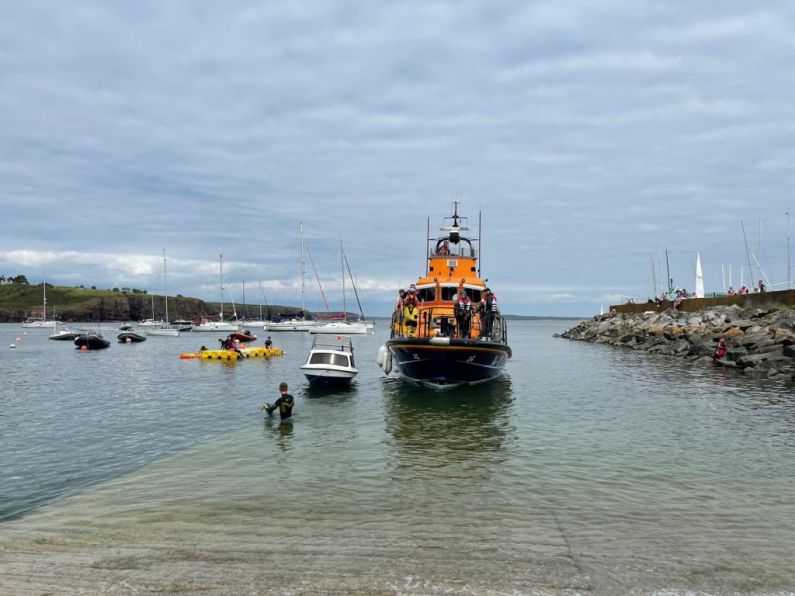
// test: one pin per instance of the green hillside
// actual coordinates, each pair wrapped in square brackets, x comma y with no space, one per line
[21,301]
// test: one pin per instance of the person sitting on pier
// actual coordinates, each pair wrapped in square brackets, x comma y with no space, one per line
[730,292]
[762,286]
[743,290]
[463,315]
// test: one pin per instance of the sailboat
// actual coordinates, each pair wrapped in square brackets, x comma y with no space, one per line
[219,325]
[151,322]
[63,334]
[344,327]
[165,330]
[699,278]
[253,323]
[42,323]
[299,323]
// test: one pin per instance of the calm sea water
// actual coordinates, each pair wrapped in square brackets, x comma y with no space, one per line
[585,469]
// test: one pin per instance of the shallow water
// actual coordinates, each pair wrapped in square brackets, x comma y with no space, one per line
[584,469]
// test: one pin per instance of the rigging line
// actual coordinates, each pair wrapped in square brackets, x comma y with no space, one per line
[355,291]
[267,306]
[317,277]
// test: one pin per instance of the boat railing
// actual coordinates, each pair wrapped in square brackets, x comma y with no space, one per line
[441,321]
[342,345]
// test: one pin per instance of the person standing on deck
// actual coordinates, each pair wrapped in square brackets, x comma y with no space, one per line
[488,309]
[463,315]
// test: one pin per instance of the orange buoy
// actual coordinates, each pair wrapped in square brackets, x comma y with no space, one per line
[84,348]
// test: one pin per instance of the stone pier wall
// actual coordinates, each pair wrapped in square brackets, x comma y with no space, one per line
[761,342]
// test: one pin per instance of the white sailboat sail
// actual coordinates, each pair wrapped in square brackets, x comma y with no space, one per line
[699,278]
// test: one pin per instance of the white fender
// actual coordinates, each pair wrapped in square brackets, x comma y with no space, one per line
[388,362]
[382,351]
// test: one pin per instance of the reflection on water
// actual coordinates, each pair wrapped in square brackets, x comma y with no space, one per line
[310,391]
[279,430]
[432,429]
[589,469]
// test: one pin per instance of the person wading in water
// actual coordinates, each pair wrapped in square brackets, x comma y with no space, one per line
[284,404]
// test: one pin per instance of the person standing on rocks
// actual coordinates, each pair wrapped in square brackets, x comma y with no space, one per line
[720,351]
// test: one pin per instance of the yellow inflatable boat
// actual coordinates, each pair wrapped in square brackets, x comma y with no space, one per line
[255,352]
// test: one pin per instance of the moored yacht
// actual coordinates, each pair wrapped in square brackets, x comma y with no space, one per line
[205,325]
[41,323]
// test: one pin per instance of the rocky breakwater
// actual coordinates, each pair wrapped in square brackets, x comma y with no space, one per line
[760,343]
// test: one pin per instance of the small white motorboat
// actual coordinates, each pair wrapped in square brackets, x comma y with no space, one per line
[330,362]
[63,334]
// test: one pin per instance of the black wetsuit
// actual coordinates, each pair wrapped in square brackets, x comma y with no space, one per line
[285,405]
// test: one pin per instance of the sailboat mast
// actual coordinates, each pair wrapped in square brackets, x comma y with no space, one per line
[44,306]
[748,256]
[165,284]
[221,270]
[342,265]
[303,269]
[259,285]
[668,273]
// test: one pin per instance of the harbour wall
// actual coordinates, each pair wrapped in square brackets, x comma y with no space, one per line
[756,300]
[760,342]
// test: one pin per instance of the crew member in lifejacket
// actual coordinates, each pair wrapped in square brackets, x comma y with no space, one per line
[463,315]
[411,297]
[410,315]
[397,314]
[720,351]
[487,311]
[284,403]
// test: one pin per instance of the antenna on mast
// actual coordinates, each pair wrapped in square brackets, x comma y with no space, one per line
[480,238]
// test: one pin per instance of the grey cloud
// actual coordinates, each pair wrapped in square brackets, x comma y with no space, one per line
[591,135]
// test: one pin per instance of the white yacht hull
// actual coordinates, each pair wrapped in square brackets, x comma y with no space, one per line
[38,324]
[292,325]
[213,327]
[150,323]
[328,375]
[341,329]
[163,332]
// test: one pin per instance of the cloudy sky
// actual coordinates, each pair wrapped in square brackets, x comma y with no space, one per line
[592,135]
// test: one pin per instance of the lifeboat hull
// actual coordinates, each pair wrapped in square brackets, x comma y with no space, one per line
[444,361]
